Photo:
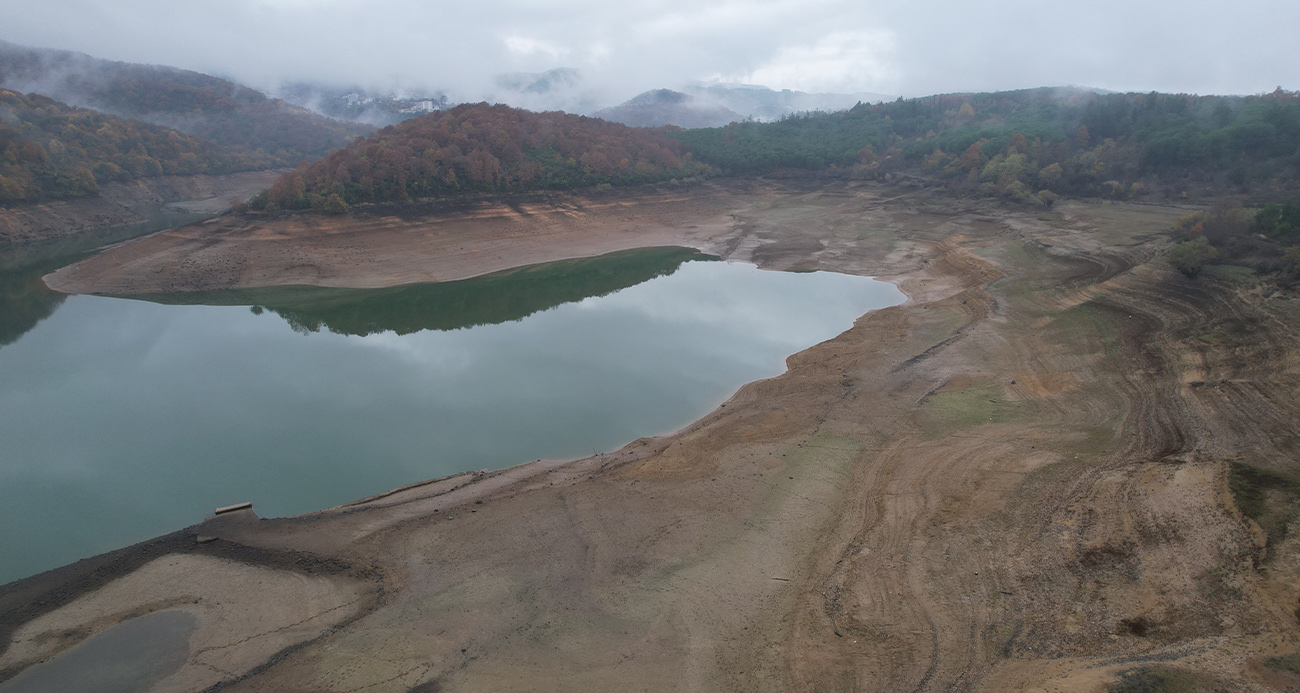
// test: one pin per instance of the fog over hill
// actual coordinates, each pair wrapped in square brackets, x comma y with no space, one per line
[558,89]
[358,104]
[666,107]
[219,110]
[623,49]
[713,105]
[761,103]
[568,89]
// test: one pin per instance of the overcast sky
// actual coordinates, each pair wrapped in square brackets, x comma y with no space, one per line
[912,48]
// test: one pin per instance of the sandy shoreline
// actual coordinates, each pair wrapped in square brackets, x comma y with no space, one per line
[382,248]
[976,489]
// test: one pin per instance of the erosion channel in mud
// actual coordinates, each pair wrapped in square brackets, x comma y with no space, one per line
[127,417]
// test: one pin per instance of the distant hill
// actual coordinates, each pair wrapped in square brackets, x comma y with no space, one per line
[49,150]
[559,89]
[666,107]
[714,105]
[482,148]
[212,108]
[761,103]
[547,82]
[360,105]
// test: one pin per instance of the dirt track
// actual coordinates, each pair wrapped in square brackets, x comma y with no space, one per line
[1017,481]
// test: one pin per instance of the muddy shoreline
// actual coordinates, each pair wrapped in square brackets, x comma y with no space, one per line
[391,245]
[1018,480]
[130,203]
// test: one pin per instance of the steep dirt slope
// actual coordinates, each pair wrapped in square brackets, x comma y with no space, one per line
[130,202]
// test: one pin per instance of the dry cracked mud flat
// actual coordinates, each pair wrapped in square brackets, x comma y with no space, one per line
[1058,464]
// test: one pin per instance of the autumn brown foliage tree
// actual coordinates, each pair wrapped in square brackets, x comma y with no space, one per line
[478,148]
[49,150]
[211,108]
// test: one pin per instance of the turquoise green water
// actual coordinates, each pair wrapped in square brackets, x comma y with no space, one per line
[122,419]
[24,300]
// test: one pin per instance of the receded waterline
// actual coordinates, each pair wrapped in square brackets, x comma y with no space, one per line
[124,419]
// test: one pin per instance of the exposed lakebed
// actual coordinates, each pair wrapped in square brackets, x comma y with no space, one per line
[125,418]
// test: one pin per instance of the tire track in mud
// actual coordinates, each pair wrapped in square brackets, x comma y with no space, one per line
[1149,310]
[890,523]
[1035,466]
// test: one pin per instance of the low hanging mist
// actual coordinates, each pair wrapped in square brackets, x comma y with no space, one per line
[375,62]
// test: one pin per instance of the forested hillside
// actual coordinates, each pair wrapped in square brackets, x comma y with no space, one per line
[215,109]
[482,148]
[49,150]
[1032,144]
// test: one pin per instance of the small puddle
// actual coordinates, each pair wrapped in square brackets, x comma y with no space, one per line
[127,658]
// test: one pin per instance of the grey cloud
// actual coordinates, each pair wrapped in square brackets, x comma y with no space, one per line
[913,48]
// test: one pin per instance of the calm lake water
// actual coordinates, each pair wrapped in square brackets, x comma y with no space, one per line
[126,418]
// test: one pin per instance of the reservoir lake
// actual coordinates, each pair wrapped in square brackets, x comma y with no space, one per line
[122,418]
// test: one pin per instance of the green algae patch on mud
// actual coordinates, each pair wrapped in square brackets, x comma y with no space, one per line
[948,411]
[1269,499]
[1087,329]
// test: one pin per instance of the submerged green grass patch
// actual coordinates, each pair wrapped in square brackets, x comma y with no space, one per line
[1167,680]
[1289,663]
[1268,498]
[1232,273]
[944,412]
[1086,328]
